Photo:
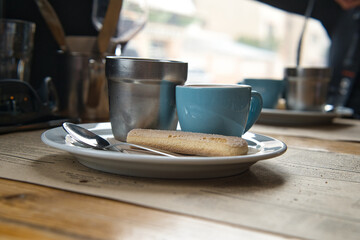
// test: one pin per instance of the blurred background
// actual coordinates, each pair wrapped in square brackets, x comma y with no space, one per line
[222,42]
[227,42]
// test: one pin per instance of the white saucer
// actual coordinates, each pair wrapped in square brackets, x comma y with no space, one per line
[299,118]
[260,148]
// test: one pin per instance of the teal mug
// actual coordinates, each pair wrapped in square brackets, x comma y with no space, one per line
[270,89]
[217,109]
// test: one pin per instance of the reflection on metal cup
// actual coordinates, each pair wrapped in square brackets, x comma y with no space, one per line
[16,46]
[306,88]
[142,93]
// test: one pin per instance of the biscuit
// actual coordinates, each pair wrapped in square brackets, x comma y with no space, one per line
[189,143]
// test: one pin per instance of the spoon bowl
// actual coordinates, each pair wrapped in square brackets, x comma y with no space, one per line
[85,136]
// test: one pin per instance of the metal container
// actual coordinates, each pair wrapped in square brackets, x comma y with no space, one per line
[81,86]
[142,93]
[306,88]
[80,80]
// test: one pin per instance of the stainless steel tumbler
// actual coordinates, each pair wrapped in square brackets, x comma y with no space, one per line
[142,93]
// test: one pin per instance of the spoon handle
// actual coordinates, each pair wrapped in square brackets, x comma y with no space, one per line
[73,141]
[53,22]
[150,149]
[109,25]
[307,15]
[114,147]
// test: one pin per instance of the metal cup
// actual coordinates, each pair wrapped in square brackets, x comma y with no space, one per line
[16,47]
[306,88]
[80,81]
[81,86]
[142,93]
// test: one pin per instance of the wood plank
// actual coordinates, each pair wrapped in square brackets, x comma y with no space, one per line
[37,212]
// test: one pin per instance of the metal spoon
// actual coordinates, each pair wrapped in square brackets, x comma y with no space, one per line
[93,140]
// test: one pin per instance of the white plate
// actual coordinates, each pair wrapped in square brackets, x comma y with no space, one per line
[299,118]
[141,165]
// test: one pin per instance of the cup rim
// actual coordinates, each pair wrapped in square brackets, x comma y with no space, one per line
[308,72]
[142,59]
[263,79]
[17,21]
[213,86]
[118,68]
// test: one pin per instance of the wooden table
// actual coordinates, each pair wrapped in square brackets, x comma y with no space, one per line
[29,211]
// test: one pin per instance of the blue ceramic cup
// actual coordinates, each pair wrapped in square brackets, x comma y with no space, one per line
[217,109]
[270,90]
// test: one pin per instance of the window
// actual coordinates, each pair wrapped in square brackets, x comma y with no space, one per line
[227,41]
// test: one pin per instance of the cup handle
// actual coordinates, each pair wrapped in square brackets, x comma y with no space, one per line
[256,104]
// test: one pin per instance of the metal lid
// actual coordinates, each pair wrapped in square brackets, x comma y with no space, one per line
[128,68]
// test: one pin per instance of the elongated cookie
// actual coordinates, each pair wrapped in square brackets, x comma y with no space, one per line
[189,143]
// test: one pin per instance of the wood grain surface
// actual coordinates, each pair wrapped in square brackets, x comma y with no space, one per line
[29,211]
